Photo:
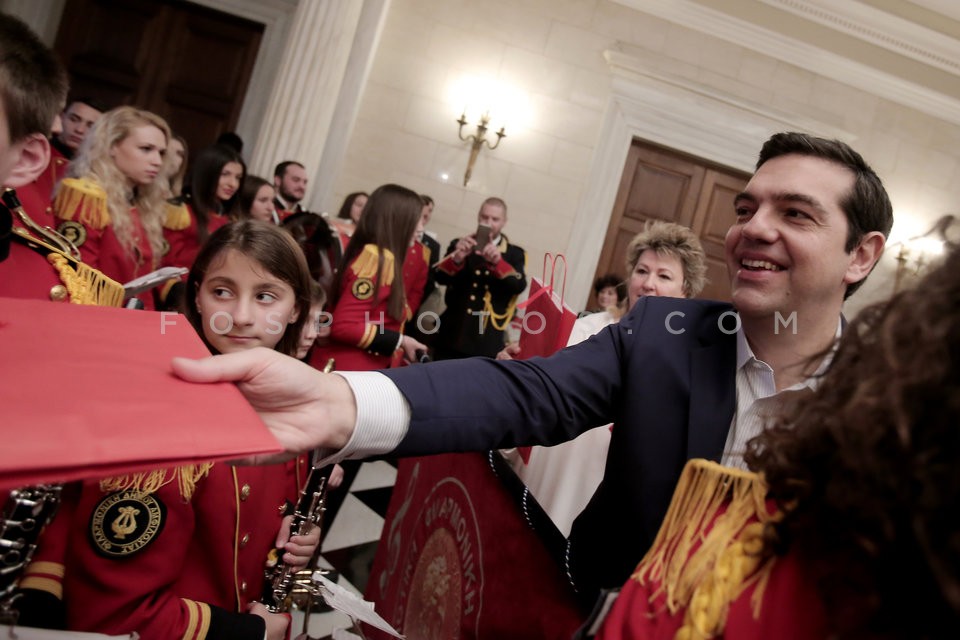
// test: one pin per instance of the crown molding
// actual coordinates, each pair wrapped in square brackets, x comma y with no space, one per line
[803,55]
[948,8]
[879,28]
[689,95]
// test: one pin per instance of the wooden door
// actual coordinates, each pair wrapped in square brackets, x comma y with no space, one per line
[187,63]
[661,184]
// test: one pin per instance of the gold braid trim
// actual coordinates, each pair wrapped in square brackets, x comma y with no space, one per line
[178,217]
[728,559]
[82,200]
[86,285]
[366,264]
[186,476]
[498,320]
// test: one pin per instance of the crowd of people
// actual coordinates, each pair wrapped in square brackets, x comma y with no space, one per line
[735,477]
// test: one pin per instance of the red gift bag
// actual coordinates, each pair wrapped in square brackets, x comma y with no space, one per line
[547,321]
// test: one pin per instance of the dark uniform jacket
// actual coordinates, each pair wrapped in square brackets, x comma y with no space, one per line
[473,288]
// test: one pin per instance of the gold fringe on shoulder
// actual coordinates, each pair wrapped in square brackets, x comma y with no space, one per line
[86,285]
[705,573]
[82,200]
[178,217]
[186,477]
[365,264]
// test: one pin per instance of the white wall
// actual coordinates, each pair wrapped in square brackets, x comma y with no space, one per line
[553,50]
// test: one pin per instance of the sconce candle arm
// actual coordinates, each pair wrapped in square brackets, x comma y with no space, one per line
[477,140]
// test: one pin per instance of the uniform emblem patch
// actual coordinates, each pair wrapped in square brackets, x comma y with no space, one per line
[164,247]
[363,289]
[74,232]
[125,522]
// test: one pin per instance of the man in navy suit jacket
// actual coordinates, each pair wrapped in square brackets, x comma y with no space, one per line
[679,378]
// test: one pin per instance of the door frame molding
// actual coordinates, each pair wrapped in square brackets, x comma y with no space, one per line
[676,113]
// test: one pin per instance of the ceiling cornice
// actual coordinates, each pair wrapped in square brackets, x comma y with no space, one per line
[879,28]
[801,54]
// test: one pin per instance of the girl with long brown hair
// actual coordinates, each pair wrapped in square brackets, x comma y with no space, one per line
[370,303]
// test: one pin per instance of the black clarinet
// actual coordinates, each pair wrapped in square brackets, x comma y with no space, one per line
[25,513]
[281,578]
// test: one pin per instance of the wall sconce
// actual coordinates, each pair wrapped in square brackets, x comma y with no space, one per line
[477,140]
[915,254]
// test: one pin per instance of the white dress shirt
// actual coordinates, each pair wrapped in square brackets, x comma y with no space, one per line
[757,399]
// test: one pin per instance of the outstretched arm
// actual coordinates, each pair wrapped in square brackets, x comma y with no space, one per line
[304,408]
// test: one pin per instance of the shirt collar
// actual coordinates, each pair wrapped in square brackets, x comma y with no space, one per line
[745,356]
[286,206]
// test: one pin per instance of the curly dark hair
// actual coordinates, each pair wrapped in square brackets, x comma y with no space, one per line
[866,470]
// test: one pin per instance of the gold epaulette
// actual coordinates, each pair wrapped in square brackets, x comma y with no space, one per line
[705,572]
[178,216]
[365,265]
[186,477]
[84,284]
[82,200]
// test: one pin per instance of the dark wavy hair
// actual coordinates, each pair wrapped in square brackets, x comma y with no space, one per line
[348,204]
[275,250]
[866,471]
[204,180]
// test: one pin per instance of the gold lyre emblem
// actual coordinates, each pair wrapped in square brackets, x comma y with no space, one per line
[125,523]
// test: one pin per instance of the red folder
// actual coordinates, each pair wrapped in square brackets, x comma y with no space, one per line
[89,392]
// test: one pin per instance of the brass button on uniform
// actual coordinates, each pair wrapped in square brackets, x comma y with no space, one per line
[477,272]
[243,586]
[244,540]
[473,297]
[245,492]
[58,293]
[475,285]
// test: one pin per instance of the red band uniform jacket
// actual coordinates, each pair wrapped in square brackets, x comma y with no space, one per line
[182,234]
[704,576]
[363,334]
[83,218]
[37,197]
[179,561]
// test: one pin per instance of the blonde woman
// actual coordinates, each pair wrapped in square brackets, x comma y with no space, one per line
[665,259]
[113,202]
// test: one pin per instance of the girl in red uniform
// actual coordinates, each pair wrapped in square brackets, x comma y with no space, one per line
[111,205]
[349,216]
[370,305]
[181,553]
[211,201]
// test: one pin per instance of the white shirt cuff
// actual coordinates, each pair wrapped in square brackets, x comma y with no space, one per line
[383,417]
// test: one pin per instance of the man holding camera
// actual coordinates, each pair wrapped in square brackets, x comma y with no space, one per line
[483,274]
